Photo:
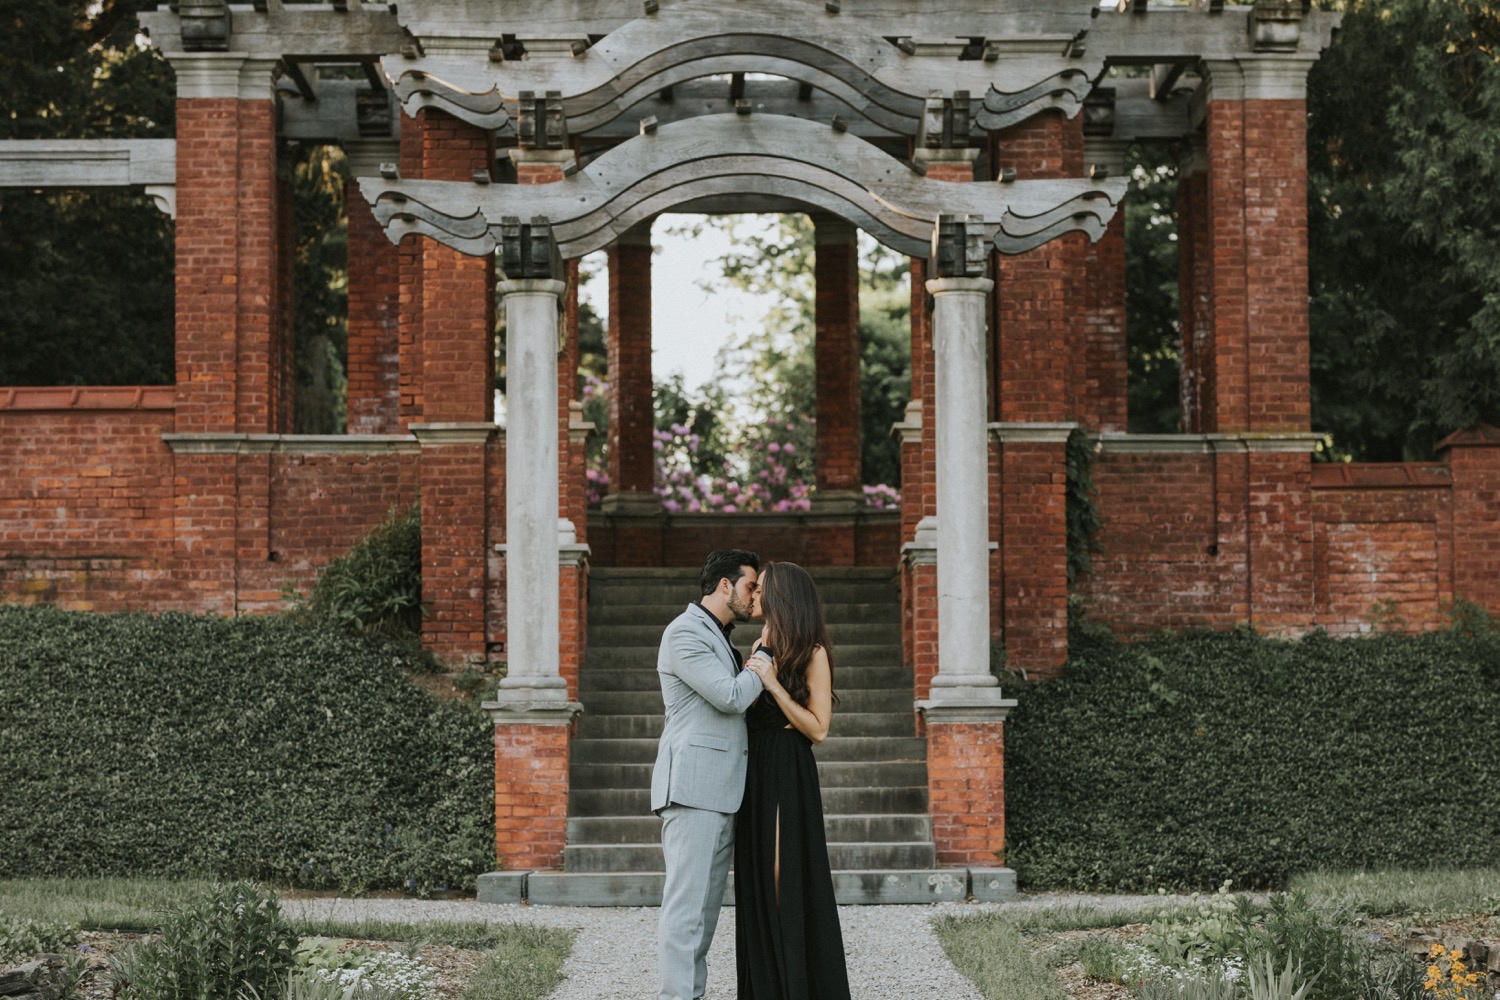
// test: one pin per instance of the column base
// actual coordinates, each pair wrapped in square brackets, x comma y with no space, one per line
[531,785]
[966,787]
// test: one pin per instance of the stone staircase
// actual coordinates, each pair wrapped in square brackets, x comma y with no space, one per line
[872,768]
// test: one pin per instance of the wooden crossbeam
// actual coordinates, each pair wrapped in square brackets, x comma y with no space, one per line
[760,156]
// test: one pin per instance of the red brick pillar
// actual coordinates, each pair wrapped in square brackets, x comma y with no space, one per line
[1195,255]
[531,793]
[1256,145]
[1473,459]
[634,509]
[373,396]
[1040,355]
[1101,402]
[450,298]
[837,498]
[229,330]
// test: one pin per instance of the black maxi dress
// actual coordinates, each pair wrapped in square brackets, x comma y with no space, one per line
[794,951]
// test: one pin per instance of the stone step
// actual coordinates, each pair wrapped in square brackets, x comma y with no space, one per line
[912,886]
[831,774]
[642,727]
[835,748]
[857,700]
[885,630]
[602,657]
[643,677]
[678,595]
[647,857]
[620,609]
[606,830]
[886,800]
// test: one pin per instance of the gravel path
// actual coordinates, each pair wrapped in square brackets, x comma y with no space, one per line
[892,952]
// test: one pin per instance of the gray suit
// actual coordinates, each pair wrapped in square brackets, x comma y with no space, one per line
[696,788]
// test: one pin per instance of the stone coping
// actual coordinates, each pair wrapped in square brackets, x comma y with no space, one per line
[290,444]
[91,397]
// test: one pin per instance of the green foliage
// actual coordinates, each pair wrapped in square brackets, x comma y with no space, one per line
[1329,961]
[1197,931]
[1082,512]
[1103,959]
[1153,334]
[325,968]
[377,586]
[22,939]
[526,964]
[1404,183]
[251,747]
[1187,761]
[1265,983]
[320,277]
[231,942]
[991,952]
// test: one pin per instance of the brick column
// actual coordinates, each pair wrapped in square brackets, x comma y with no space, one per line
[373,396]
[1040,356]
[1256,149]
[1194,287]
[632,462]
[1101,401]
[837,499]
[1473,458]
[229,336]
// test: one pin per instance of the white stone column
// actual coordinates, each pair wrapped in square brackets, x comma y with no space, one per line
[959,334]
[533,681]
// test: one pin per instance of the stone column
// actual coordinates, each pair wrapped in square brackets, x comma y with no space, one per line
[531,710]
[964,713]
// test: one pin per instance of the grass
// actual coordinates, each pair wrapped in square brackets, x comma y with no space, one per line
[1081,917]
[525,961]
[527,965]
[1438,893]
[106,904]
[990,950]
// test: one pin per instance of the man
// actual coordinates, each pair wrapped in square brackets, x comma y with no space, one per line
[699,778]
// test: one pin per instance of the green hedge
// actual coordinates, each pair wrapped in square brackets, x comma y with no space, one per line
[1185,761]
[257,747]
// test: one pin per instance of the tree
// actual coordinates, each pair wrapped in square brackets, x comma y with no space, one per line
[86,292]
[1404,190]
[1153,327]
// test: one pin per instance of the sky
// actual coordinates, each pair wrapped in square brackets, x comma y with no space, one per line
[688,322]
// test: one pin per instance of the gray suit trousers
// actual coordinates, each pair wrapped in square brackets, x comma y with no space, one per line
[698,845]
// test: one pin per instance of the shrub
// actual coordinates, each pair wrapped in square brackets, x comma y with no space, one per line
[1186,761]
[233,942]
[254,747]
[377,585]
[23,939]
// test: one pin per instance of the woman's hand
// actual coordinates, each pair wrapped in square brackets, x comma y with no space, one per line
[764,668]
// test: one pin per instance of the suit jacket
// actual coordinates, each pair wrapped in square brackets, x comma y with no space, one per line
[700,761]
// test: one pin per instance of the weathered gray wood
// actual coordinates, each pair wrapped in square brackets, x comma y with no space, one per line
[913,18]
[87,162]
[1164,36]
[847,60]
[334,116]
[311,31]
[722,155]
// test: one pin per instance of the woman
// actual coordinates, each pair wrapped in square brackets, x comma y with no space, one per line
[787,939]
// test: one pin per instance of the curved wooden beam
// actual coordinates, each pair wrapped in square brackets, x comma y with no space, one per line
[885,83]
[774,156]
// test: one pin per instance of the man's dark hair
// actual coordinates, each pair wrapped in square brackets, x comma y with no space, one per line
[725,564]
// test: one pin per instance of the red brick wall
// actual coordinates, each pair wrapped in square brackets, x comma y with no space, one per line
[1100,403]
[684,539]
[1034,555]
[966,792]
[836,345]
[1474,458]
[374,392]
[631,418]
[531,795]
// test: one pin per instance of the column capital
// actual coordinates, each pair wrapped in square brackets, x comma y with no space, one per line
[532,286]
[971,286]
[955,705]
[222,75]
[513,708]
[442,434]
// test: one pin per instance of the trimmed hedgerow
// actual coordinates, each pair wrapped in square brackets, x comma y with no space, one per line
[1184,761]
[256,747]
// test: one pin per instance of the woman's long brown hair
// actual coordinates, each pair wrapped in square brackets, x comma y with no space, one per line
[794,625]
